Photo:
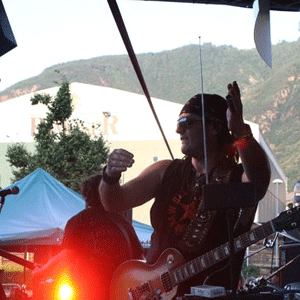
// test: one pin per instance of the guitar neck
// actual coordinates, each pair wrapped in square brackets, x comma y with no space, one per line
[203,262]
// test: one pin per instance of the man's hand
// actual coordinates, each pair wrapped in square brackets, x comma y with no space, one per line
[235,110]
[118,161]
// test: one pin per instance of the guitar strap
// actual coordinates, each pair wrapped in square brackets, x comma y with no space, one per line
[199,227]
[126,236]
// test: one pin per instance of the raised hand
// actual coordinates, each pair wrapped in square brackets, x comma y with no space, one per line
[118,161]
[235,110]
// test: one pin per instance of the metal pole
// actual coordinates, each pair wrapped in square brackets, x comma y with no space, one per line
[277,213]
[277,182]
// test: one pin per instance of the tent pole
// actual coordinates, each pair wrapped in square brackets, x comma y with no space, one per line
[24,269]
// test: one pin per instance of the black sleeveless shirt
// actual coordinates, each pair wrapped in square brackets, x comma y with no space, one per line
[176,206]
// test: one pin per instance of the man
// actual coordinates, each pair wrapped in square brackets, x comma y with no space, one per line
[177,213]
[95,243]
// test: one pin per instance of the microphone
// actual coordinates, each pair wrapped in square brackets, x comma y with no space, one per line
[14,190]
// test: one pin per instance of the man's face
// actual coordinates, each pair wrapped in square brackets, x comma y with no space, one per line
[189,126]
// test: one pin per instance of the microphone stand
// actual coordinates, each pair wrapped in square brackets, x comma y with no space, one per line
[225,195]
[14,190]
[267,244]
[2,201]
[205,149]
[229,217]
[2,293]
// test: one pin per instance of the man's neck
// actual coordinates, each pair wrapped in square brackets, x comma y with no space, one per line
[212,162]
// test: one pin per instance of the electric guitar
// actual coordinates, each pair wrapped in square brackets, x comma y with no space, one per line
[137,280]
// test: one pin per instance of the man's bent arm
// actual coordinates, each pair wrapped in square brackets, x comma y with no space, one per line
[256,165]
[137,191]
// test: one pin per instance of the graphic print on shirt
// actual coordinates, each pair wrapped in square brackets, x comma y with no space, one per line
[180,212]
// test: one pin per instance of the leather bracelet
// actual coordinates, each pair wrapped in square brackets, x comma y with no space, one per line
[108,179]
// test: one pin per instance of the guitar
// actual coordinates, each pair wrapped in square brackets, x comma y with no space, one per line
[137,280]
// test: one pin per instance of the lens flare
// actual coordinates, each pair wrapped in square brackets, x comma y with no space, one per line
[64,288]
[65,292]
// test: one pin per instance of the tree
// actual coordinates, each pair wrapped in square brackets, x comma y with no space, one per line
[250,271]
[69,155]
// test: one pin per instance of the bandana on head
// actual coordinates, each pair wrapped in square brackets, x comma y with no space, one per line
[215,107]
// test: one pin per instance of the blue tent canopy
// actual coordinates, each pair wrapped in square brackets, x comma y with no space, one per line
[143,231]
[38,214]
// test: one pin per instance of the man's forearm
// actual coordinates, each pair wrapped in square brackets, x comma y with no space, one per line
[256,165]
[111,196]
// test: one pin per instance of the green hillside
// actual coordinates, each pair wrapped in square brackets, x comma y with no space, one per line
[270,96]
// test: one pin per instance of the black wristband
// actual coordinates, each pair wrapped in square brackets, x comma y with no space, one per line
[110,180]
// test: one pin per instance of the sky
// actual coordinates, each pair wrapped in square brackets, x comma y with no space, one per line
[49,32]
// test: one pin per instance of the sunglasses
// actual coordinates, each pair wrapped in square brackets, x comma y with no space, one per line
[186,123]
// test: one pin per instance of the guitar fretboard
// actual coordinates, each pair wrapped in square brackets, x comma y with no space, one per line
[202,263]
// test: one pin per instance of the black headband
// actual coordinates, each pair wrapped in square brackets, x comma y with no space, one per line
[215,107]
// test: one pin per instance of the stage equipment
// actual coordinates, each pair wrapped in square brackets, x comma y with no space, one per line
[266,296]
[14,190]
[3,193]
[294,288]
[7,39]
[227,197]
[291,236]
[297,192]
[291,273]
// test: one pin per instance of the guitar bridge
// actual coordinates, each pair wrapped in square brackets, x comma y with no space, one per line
[166,282]
[137,292]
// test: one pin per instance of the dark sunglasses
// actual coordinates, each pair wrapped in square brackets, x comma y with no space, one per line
[186,123]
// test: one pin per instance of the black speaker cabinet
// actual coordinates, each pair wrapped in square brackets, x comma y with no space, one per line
[7,39]
[291,273]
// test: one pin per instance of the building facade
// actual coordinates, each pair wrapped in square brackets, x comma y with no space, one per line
[126,121]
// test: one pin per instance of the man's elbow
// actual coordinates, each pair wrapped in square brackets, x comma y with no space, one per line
[262,185]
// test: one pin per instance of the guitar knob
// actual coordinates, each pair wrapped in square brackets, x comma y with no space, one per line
[170,259]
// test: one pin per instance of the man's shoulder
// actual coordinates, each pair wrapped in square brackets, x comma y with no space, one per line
[177,164]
